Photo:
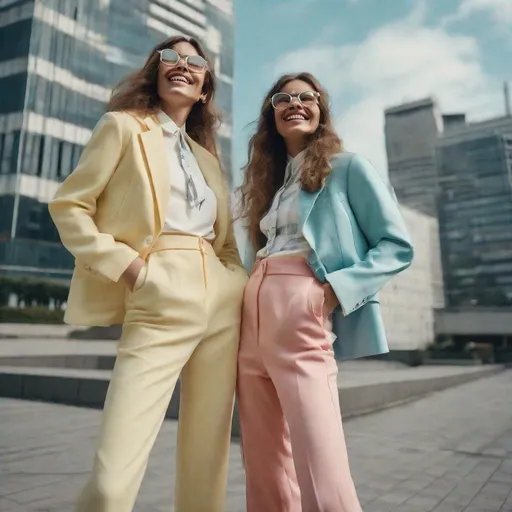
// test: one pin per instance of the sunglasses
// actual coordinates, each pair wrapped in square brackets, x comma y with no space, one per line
[282,100]
[194,63]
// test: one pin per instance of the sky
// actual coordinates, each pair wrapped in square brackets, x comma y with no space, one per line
[370,55]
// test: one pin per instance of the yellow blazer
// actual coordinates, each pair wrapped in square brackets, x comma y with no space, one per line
[112,206]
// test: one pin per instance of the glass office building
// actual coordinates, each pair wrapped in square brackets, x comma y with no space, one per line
[475,214]
[58,62]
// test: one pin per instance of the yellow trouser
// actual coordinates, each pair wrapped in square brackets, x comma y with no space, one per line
[183,317]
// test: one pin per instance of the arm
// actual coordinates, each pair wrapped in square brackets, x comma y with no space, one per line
[377,214]
[229,255]
[74,205]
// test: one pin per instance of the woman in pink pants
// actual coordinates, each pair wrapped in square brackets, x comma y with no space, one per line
[327,234]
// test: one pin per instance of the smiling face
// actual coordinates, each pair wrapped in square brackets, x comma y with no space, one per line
[295,121]
[177,85]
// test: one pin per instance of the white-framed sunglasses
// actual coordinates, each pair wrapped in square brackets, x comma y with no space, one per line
[194,63]
[282,100]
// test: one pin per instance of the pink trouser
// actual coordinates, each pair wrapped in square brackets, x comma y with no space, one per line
[288,396]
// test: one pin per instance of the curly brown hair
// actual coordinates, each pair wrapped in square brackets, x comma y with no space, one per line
[264,171]
[138,93]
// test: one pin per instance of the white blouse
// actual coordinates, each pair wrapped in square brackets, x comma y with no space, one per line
[181,217]
[281,225]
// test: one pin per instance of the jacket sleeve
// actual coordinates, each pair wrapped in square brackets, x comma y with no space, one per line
[390,249]
[74,205]
[229,254]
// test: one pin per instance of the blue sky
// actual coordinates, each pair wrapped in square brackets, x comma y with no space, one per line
[371,54]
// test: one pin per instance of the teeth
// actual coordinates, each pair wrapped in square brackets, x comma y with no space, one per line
[296,116]
[178,79]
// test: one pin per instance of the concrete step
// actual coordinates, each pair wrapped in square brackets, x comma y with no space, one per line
[40,331]
[359,392]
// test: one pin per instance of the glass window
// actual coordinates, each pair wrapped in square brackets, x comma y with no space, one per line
[12,93]
[40,156]
[59,171]
[28,151]
[7,154]
[67,159]
[15,40]
[77,151]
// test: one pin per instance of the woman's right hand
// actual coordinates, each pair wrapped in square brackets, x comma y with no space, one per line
[132,272]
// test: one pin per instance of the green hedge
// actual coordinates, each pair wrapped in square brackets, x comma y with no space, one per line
[32,291]
[31,316]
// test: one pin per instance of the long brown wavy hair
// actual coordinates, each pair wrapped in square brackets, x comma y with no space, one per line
[138,93]
[264,171]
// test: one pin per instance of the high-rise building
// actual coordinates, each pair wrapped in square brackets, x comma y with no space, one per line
[58,62]
[411,132]
[475,213]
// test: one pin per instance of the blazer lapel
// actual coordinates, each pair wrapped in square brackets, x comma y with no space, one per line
[212,173]
[307,203]
[159,173]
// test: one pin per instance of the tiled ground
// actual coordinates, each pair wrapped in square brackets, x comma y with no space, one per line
[450,452]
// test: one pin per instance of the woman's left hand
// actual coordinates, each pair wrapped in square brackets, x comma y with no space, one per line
[331,301]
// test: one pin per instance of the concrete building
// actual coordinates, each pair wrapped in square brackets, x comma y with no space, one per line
[411,132]
[58,62]
[409,300]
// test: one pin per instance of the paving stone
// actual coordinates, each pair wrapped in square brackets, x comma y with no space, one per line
[10,506]
[407,459]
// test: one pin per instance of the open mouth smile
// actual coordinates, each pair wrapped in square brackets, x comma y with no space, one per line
[295,117]
[178,77]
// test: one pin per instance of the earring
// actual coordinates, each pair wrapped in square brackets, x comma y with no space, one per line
[203,99]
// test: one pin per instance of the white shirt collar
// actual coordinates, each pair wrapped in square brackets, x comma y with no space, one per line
[294,163]
[168,125]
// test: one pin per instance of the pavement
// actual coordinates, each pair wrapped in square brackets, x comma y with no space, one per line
[448,452]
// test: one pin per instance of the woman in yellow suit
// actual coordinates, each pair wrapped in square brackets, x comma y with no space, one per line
[146,216]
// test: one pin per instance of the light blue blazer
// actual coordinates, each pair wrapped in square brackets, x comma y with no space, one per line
[359,242]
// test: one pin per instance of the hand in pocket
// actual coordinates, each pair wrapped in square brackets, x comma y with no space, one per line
[330,299]
[132,273]
[141,279]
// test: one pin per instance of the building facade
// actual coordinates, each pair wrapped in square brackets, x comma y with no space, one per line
[59,60]
[475,214]
[409,300]
[411,132]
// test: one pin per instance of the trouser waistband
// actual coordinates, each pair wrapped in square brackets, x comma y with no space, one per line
[168,242]
[284,266]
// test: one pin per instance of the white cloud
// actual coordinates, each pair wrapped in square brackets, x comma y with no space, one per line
[399,62]
[500,10]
